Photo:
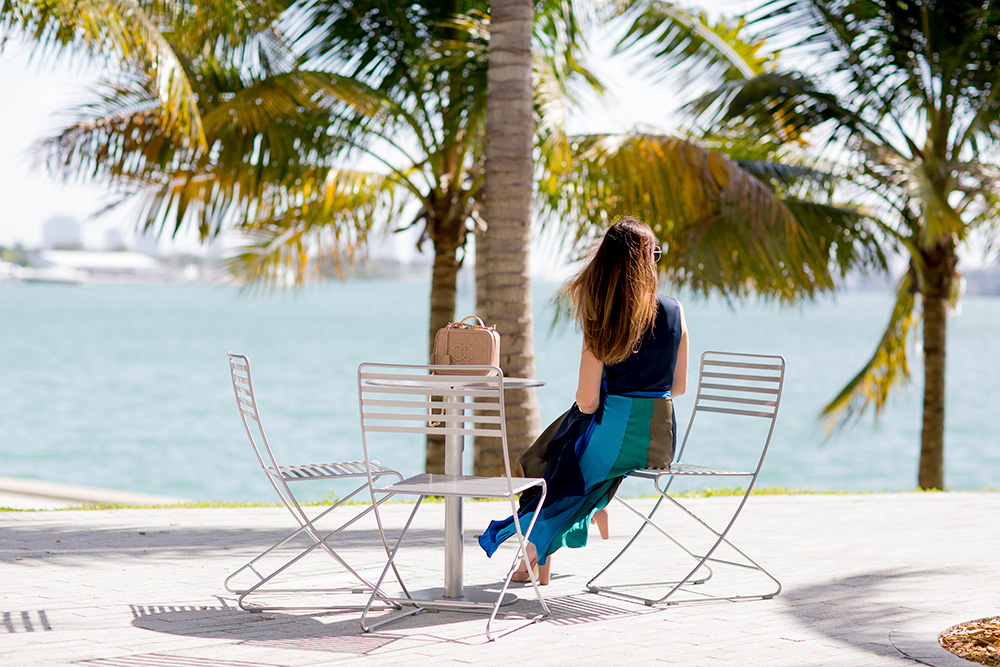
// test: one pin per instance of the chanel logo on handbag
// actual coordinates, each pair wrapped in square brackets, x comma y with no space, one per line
[467,343]
[463,353]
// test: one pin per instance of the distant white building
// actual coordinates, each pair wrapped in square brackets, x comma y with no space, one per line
[61,232]
[113,240]
[8,272]
[147,242]
[102,266]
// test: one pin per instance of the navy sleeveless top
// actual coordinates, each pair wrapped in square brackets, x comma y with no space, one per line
[649,370]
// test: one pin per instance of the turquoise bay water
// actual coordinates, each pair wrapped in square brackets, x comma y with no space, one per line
[127,386]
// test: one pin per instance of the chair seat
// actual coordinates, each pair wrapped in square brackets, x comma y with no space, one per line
[328,470]
[682,469]
[428,484]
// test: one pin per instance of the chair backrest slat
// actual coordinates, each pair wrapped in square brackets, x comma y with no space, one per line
[732,411]
[743,364]
[740,376]
[734,387]
[443,379]
[735,399]
[426,417]
[441,390]
[435,430]
[425,405]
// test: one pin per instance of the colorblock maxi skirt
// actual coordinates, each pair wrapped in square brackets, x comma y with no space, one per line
[583,458]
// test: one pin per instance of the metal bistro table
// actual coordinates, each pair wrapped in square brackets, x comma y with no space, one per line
[454,588]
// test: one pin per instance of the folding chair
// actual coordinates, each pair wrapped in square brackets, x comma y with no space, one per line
[281,477]
[400,403]
[744,388]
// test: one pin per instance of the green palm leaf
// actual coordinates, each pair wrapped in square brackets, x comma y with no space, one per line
[726,230]
[326,228]
[125,29]
[887,368]
[669,36]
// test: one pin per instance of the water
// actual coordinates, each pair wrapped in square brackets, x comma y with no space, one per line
[126,386]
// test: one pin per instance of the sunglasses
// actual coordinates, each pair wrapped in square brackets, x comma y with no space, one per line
[657,253]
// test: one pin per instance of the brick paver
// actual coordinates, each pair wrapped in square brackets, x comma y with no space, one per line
[867,580]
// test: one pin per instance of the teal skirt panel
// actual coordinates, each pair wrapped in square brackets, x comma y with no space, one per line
[585,457]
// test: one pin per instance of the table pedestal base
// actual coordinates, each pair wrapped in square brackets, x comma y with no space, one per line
[472,595]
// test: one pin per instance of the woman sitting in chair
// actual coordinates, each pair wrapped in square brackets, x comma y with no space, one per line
[635,357]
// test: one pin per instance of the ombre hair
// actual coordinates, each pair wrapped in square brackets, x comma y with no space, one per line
[613,297]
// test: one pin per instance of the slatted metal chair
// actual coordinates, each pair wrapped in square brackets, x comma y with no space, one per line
[281,478]
[746,390]
[404,403]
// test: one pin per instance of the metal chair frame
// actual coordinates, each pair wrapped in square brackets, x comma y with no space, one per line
[280,478]
[747,385]
[421,400]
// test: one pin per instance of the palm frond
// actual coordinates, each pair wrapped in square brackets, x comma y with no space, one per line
[682,45]
[939,219]
[844,234]
[786,175]
[726,230]
[887,368]
[123,29]
[559,39]
[787,105]
[318,234]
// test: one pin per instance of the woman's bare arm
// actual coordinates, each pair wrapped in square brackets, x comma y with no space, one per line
[680,383]
[588,389]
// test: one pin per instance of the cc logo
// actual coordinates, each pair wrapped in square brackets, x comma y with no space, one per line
[462,352]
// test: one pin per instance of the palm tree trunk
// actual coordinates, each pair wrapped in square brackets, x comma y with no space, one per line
[509,183]
[931,473]
[939,265]
[444,292]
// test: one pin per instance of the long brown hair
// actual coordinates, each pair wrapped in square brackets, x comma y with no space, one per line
[614,296]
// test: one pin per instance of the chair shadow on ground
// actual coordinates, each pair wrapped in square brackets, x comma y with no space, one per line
[340,631]
[277,630]
[865,609]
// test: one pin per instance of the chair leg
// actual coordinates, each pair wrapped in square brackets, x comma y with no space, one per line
[702,561]
[263,554]
[422,605]
[753,565]
[647,520]
[520,557]
[368,627]
[319,541]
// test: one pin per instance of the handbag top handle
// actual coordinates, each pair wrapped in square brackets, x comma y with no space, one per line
[463,325]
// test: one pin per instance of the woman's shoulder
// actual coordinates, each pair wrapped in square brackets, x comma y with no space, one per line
[671,314]
[668,303]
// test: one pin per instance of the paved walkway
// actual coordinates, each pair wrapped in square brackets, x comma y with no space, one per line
[868,580]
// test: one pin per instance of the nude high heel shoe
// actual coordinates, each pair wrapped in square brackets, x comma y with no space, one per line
[601,519]
[541,572]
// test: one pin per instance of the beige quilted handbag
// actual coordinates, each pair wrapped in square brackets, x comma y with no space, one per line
[467,343]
